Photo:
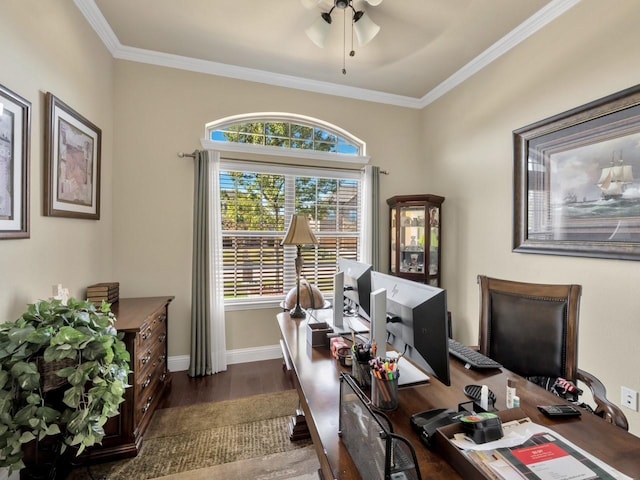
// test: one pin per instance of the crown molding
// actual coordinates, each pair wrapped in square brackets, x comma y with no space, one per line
[547,14]
[523,31]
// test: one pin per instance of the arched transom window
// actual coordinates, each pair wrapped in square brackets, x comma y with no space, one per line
[285,131]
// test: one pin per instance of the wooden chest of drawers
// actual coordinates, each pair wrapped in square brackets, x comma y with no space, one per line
[144,323]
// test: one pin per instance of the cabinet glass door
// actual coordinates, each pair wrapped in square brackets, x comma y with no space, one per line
[394,266]
[434,240]
[412,239]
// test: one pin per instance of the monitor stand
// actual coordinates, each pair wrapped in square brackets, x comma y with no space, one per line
[350,324]
[410,375]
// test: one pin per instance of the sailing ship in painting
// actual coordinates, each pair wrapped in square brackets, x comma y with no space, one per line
[614,180]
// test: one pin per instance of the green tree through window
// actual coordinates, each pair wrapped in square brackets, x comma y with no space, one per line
[254,209]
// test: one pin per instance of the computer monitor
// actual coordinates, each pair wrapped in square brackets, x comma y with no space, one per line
[357,285]
[417,322]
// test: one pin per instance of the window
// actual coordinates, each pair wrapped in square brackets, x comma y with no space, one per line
[257,201]
[286,133]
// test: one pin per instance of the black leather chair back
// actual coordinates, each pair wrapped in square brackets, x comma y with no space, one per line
[528,335]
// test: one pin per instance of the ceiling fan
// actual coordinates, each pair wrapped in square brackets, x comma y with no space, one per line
[362,25]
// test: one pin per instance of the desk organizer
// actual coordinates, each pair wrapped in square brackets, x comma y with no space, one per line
[453,455]
[377,452]
[317,334]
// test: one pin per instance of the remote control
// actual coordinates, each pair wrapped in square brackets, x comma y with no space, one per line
[559,410]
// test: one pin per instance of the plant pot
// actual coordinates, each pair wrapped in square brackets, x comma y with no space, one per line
[43,460]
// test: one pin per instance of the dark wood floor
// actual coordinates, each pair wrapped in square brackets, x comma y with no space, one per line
[239,380]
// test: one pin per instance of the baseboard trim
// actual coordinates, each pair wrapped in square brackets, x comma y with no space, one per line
[241,355]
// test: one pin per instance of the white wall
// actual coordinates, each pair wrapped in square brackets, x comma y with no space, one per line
[160,112]
[48,46]
[588,53]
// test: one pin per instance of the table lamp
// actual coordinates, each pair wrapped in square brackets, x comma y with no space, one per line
[299,233]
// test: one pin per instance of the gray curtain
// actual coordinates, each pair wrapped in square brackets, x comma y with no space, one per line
[201,270]
[375,217]
[371,217]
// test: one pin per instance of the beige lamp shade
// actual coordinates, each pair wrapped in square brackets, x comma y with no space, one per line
[299,232]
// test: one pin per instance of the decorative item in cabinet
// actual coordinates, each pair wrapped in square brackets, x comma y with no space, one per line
[144,323]
[416,232]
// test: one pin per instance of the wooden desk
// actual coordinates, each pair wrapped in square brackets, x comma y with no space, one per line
[317,377]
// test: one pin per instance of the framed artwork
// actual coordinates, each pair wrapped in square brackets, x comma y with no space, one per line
[15,134]
[577,181]
[72,163]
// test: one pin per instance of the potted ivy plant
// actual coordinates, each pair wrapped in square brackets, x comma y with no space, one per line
[63,374]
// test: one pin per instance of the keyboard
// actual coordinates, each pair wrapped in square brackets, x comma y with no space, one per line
[471,357]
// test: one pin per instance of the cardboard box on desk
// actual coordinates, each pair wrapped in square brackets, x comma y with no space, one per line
[454,456]
[317,334]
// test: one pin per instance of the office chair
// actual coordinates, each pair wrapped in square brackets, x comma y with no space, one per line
[532,329]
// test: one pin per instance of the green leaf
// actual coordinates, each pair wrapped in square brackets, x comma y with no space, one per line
[20,368]
[72,397]
[23,415]
[77,422]
[26,437]
[19,335]
[68,336]
[77,377]
[94,351]
[39,337]
[48,414]
[65,372]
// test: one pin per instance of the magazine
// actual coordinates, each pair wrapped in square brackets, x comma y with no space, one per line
[545,457]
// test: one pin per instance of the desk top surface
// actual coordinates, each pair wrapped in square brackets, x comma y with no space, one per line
[318,382]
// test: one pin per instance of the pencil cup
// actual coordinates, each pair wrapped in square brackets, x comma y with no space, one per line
[360,372]
[384,392]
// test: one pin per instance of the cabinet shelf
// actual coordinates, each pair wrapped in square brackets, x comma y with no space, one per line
[416,229]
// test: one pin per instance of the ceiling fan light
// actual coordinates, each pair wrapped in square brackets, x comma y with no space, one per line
[365,29]
[374,3]
[319,30]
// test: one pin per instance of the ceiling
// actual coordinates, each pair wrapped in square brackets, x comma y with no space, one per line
[424,48]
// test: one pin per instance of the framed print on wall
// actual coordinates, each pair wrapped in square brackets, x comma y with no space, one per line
[15,134]
[577,181]
[72,158]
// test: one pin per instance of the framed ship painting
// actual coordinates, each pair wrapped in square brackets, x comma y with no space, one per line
[577,181]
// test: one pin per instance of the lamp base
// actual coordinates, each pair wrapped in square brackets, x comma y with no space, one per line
[297,312]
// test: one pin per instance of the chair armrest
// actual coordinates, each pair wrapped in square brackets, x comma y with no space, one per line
[607,410]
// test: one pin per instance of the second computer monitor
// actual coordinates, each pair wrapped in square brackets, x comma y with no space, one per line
[417,322]
[357,284]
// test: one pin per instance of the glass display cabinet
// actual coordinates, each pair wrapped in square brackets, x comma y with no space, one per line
[415,237]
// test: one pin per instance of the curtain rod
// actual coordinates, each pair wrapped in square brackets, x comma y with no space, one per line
[193,155]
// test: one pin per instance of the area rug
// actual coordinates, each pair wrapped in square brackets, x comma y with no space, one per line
[186,439]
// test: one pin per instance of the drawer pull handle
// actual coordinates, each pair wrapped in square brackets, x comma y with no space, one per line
[146,334]
[146,382]
[163,376]
[147,405]
[146,359]
[162,338]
